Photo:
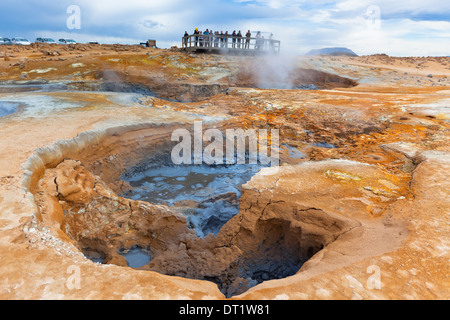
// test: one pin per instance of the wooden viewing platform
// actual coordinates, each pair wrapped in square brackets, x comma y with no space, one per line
[229,44]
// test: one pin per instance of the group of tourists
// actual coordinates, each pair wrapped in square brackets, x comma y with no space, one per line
[216,39]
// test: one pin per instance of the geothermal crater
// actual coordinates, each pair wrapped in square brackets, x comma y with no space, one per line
[191,225]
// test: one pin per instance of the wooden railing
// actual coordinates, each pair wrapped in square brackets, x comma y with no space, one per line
[230,43]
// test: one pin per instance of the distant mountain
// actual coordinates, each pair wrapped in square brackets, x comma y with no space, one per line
[332,52]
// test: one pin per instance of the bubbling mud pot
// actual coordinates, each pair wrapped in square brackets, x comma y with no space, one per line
[207,195]
[185,221]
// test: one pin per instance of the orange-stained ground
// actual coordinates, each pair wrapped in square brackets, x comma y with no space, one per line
[392,113]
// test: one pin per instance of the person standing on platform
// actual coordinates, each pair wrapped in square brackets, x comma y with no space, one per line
[225,39]
[196,33]
[185,40]
[216,39]
[248,35]
[211,38]
[234,38]
[258,41]
[239,38]
[200,39]
[221,39]
[206,38]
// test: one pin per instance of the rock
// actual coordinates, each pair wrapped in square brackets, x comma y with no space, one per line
[77,191]
[24,76]
[308,87]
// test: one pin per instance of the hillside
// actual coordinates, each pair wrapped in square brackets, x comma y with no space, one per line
[336,51]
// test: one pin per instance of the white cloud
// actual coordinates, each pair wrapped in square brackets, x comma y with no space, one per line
[408,27]
[352,5]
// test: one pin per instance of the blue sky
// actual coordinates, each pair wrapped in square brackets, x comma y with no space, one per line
[400,28]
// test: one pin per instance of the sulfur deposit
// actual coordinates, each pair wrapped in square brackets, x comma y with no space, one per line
[358,208]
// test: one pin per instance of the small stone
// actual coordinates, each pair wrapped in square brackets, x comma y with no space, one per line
[24,76]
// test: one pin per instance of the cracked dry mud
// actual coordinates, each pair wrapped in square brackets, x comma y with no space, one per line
[361,210]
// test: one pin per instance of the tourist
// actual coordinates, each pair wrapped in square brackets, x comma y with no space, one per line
[239,35]
[196,36]
[206,38]
[200,39]
[216,39]
[210,38]
[248,35]
[221,39]
[258,41]
[271,42]
[234,38]
[225,39]
[185,40]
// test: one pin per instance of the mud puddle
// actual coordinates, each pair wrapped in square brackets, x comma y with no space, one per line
[136,257]
[7,108]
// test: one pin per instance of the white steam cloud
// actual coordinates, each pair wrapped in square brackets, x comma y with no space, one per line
[274,71]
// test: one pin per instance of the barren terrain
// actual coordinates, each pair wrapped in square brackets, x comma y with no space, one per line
[358,209]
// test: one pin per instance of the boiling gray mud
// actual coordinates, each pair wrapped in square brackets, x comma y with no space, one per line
[207,195]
